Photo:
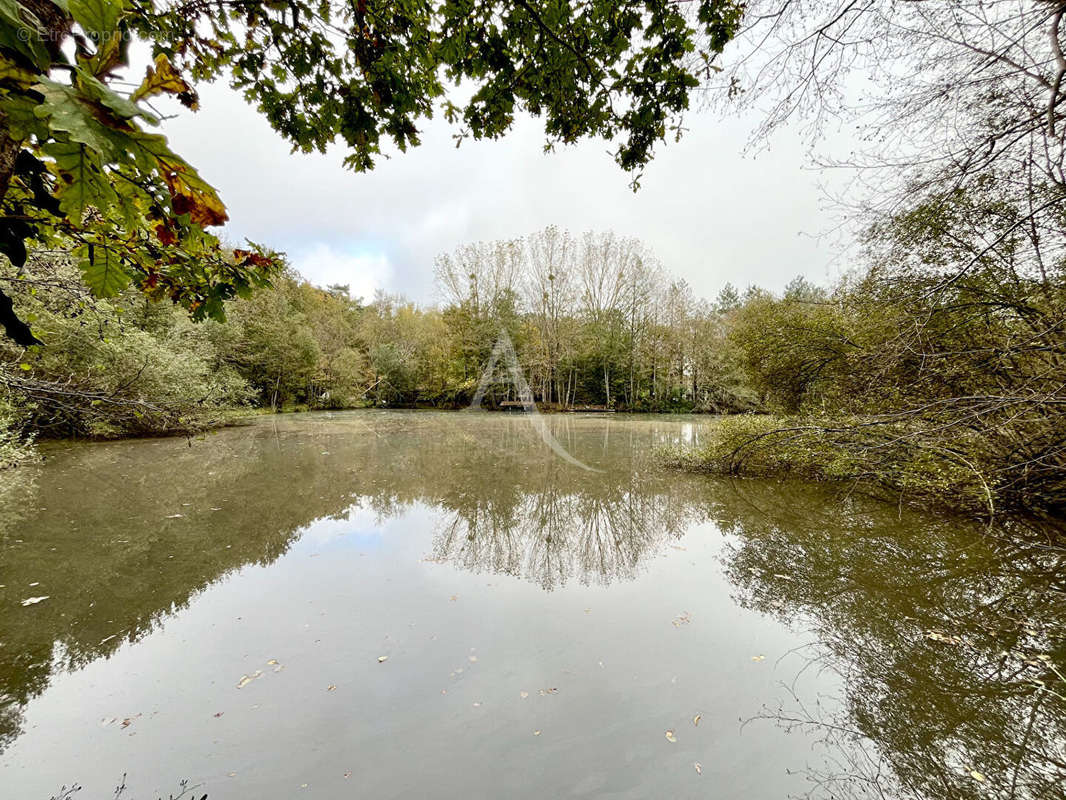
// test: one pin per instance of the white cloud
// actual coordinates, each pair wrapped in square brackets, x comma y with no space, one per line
[363,271]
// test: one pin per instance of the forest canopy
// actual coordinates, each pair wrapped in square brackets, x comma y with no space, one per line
[595,319]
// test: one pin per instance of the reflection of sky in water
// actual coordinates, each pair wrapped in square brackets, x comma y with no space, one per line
[644,596]
[362,529]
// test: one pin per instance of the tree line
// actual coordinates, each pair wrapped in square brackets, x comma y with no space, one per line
[595,320]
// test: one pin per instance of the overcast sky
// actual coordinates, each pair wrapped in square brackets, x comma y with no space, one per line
[711,214]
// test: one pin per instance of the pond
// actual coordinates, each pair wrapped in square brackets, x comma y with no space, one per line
[420,604]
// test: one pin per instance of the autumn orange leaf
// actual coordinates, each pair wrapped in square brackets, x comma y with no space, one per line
[162,78]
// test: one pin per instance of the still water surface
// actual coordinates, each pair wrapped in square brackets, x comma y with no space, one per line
[406,604]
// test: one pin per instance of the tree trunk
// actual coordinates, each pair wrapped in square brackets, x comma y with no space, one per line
[15,328]
[57,27]
[274,399]
[9,150]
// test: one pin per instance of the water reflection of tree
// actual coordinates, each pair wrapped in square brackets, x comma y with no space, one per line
[103,548]
[516,509]
[951,645]
[553,536]
[941,635]
[97,528]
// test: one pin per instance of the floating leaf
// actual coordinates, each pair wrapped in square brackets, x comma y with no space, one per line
[523,695]
[382,659]
[331,688]
[536,733]
[937,636]
[758,658]
[32,601]
[246,679]
[696,719]
[684,618]
[670,737]
[699,767]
